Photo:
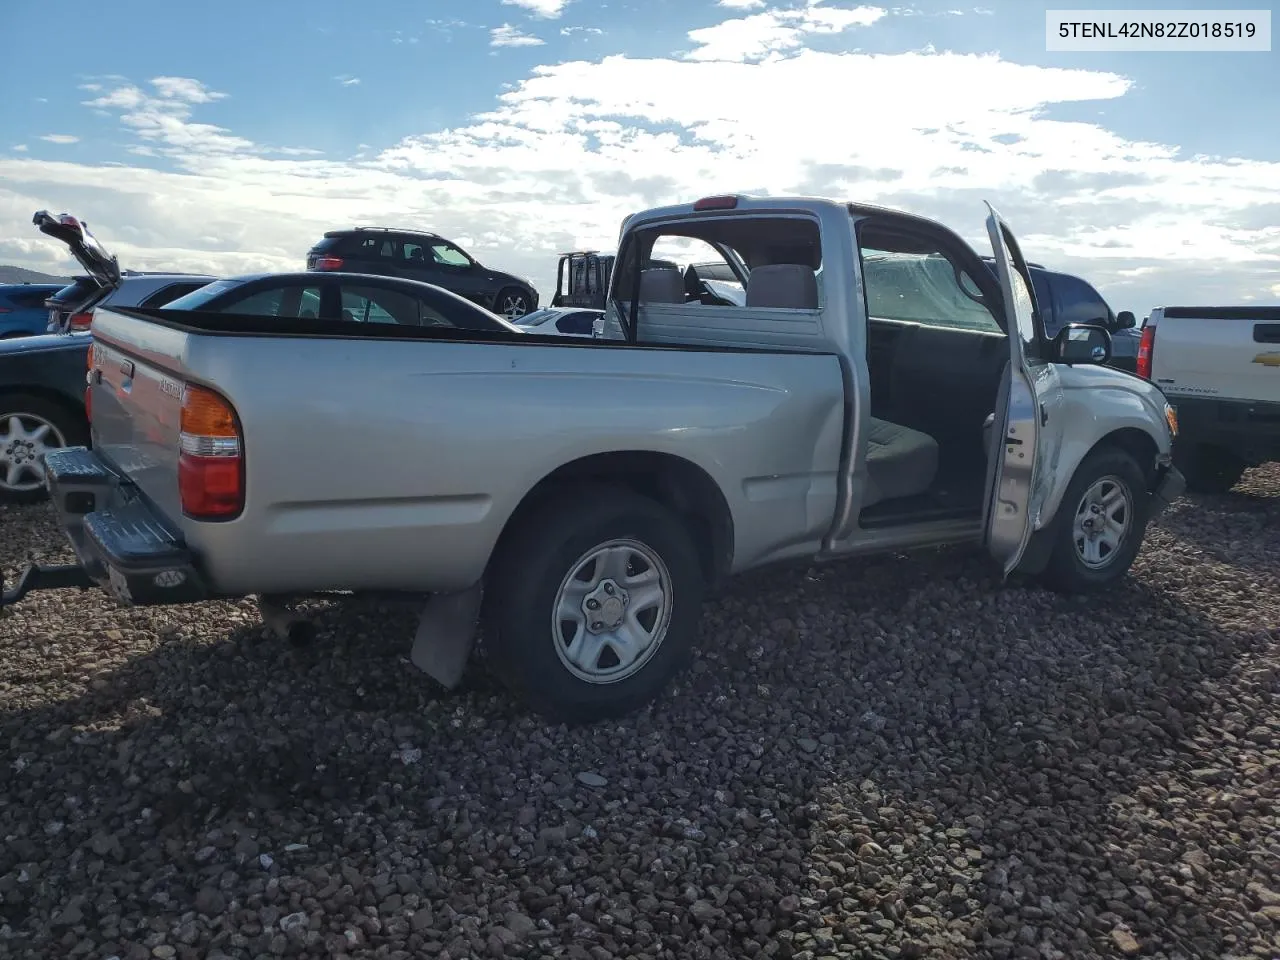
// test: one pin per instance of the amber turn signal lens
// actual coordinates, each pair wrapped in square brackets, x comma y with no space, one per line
[206,414]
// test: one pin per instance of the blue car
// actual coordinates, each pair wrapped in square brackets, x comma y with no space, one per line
[22,309]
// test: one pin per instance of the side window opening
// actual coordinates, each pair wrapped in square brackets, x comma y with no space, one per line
[447,255]
[373,248]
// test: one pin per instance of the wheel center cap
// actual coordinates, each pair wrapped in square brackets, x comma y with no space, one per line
[611,611]
[605,606]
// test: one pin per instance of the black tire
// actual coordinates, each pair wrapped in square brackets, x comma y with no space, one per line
[1209,469]
[525,578]
[1066,571]
[71,429]
[512,303]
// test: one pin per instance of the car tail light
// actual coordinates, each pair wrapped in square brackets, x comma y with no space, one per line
[6,310]
[716,203]
[1146,351]
[211,461]
[328,263]
[80,321]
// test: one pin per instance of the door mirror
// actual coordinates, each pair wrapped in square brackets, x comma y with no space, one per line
[1125,320]
[1082,343]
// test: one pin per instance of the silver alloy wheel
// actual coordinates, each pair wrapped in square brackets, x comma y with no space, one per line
[1102,522]
[514,306]
[24,440]
[612,611]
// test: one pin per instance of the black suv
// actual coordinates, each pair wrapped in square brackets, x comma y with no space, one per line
[427,258]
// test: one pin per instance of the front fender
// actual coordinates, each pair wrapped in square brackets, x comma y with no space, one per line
[1094,411]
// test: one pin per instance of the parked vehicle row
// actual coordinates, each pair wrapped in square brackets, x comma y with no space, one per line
[42,388]
[580,495]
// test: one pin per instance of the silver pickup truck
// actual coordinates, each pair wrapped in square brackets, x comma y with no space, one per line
[880,389]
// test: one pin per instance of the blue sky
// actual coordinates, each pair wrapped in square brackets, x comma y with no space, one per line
[273,121]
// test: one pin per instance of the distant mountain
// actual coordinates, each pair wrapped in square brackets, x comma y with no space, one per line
[23,275]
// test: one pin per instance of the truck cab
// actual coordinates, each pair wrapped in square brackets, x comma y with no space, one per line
[966,420]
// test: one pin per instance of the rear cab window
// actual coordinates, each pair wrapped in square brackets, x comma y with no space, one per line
[671,273]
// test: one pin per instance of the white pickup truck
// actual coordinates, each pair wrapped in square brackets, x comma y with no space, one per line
[1220,367]
[578,497]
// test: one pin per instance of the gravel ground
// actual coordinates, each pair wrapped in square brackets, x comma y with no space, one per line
[891,759]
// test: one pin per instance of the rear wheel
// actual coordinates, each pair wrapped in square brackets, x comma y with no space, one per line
[512,303]
[1209,469]
[29,428]
[1100,523]
[592,604]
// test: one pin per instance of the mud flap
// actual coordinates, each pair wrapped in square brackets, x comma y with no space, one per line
[445,634]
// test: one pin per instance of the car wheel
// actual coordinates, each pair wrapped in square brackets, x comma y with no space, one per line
[1100,523]
[29,428]
[1209,469]
[513,303]
[592,604]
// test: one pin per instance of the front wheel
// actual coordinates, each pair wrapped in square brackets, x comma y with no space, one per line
[513,304]
[1100,523]
[592,604]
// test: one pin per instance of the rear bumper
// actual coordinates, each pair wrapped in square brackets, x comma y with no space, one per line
[121,542]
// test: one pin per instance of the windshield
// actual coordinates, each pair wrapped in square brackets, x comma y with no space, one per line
[198,298]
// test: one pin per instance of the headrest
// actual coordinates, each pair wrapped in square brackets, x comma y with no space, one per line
[661,285]
[789,286]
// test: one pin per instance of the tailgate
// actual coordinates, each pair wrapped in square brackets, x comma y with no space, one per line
[136,383]
[1222,357]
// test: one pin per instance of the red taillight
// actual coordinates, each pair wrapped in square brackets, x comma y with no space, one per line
[715,203]
[211,461]
[6,310]
[80,321]
[328,263]
[1146,351]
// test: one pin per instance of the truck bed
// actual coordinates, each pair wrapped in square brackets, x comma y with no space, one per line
[386,457]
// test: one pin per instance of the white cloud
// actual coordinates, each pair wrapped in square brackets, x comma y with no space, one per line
[741,4]
[347,80]
[19,148]
[773,32]
[550,9]
[509,36]
[563,155]
[61,138]
[185,89]
[570,31]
